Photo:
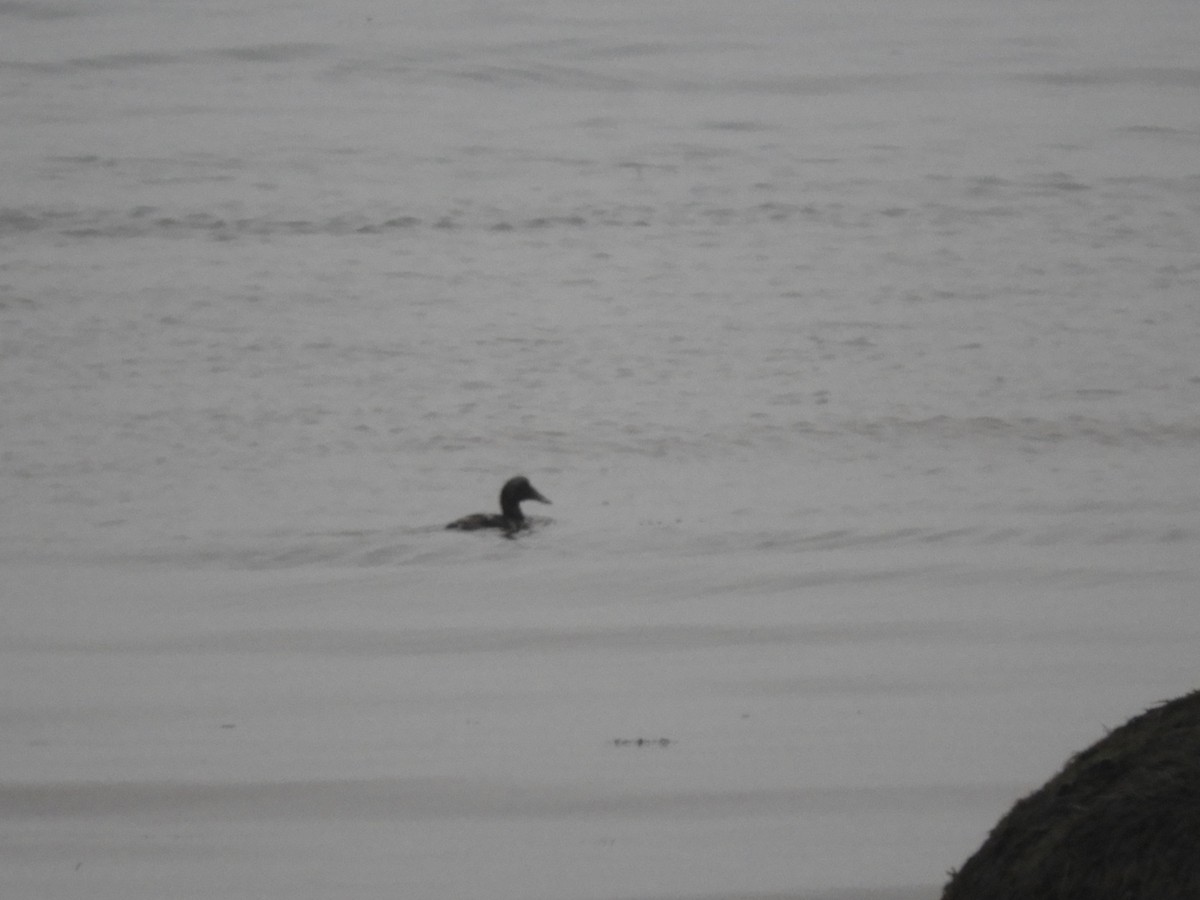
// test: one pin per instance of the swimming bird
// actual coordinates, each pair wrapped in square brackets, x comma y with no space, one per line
[511,519]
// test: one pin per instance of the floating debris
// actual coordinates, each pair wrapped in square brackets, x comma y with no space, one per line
[641,742]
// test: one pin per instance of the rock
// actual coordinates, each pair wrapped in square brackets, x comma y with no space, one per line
[1121,821]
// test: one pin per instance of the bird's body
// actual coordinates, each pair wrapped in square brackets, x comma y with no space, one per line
[510,518]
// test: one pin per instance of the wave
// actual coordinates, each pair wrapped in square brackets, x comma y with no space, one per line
[975,200]
[37,12]
[145,221]
[1032,430]
[1102,528]
[136,60]
[1138,76]
[430,798]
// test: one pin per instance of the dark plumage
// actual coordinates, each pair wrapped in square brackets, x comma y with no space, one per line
[510,519]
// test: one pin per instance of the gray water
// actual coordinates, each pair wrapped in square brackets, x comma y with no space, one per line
[855,343]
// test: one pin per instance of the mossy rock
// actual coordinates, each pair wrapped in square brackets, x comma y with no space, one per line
[1121,821]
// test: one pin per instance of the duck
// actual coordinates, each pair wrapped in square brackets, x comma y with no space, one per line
[511,519]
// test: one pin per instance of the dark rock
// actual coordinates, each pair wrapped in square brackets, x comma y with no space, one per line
[1121,821]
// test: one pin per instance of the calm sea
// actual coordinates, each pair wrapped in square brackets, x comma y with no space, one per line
[870,306]
[813,266]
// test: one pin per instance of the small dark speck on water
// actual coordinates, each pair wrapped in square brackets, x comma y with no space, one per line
[641,742]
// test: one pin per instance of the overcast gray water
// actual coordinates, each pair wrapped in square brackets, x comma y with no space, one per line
[856,345]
